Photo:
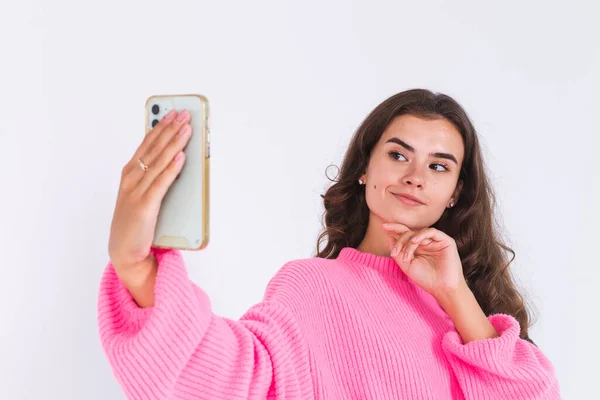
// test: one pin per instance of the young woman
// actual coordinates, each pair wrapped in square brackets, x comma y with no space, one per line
[410,297]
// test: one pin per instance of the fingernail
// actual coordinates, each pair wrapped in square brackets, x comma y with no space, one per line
[178,156]
[394,252]
[182,116]
[184,130]
[169,115]
[405,256]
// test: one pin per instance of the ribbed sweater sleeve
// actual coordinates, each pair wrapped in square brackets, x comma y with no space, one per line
[179,349]
[501,368]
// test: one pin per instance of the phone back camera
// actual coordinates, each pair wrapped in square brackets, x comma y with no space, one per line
[155,109]
[154,123]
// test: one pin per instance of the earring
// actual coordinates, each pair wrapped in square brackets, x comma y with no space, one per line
[451,204]
[360,182]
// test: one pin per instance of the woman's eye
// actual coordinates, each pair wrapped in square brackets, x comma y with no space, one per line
[397,156]
[439,167]
[400,157]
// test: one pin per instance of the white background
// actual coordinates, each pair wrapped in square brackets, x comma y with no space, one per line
[289,82]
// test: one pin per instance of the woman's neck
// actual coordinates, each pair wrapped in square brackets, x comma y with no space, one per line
[376,239]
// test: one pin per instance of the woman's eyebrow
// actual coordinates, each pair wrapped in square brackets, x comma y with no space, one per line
[408,147]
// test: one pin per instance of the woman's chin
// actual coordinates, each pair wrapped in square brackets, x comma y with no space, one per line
[410,223]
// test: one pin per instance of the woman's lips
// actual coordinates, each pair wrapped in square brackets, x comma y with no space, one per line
[409,201]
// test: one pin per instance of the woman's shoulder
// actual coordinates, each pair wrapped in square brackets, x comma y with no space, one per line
[301,275]
[309,267]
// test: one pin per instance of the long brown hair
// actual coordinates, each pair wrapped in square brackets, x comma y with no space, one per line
[485,257]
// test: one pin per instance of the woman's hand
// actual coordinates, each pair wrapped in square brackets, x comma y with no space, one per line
[429,257]
[141,193]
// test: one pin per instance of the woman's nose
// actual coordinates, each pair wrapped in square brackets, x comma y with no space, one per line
[414,178]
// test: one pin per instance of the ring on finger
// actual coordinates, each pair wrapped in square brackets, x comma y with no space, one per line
[142,165]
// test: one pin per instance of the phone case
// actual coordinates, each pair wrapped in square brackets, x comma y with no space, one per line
[183,219]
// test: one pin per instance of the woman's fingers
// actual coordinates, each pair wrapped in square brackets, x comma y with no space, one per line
[396,230]
[159,186]
[431,233]
[165,159]
[403,234]
[425,238]
[407,241]
[409,250]
[132,172]
[400,243]
[151,137]
[164,139]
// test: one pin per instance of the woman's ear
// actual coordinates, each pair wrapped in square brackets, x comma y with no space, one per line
[457,191]
[363,179]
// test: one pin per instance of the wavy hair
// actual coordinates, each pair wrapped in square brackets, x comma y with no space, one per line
[485,257]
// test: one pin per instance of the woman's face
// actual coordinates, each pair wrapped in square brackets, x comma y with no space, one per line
[419,158]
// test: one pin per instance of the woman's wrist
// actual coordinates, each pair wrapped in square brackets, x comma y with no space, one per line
[140,280]
[468,317]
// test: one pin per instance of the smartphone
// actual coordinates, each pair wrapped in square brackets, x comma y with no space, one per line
[183,217]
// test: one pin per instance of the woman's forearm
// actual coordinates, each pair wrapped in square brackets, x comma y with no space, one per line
[140,281]
[468,317]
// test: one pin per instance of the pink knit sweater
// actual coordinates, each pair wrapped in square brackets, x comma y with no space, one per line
[351,328]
